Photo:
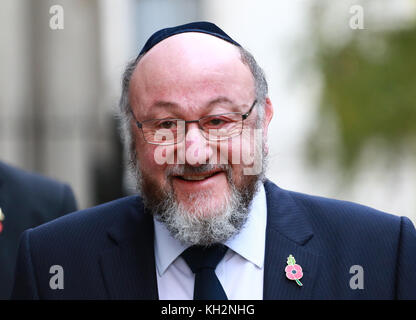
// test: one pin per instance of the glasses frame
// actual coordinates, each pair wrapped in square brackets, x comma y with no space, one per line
[244,116]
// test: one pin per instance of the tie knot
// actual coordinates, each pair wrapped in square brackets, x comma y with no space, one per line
[199,258]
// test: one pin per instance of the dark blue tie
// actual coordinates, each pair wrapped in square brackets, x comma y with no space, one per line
[203,262]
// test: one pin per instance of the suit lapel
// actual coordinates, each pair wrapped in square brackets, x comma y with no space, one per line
[128,267]
[287,232]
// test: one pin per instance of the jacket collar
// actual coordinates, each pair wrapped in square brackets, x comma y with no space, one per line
[288,233]
[128,267]
[286,216]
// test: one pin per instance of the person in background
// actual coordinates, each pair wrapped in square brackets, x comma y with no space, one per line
[26,201]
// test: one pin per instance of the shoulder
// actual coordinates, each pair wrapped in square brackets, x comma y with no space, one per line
[346,234]
[16,176]
[28,183]
[44,197]
[334,219]
[78,242]
[350,215]
[92,223]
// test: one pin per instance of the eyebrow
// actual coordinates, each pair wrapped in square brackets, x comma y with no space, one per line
[168,104]
[220,99]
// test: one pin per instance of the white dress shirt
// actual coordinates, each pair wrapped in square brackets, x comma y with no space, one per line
[240,271]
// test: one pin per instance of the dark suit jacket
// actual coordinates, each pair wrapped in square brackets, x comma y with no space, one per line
[27,200]
[106,252]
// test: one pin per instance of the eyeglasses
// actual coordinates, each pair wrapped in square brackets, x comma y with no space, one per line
[213,127]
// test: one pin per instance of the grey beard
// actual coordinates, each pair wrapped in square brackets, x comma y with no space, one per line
[196,226]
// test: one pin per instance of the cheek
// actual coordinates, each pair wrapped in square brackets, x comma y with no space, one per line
[241,149]
[148,163]
[242,154]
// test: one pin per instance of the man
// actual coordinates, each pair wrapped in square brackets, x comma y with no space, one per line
[26,201]
[208,225]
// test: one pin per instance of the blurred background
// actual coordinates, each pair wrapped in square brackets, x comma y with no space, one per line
[342,78]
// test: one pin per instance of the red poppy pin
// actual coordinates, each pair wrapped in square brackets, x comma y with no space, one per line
[293,270]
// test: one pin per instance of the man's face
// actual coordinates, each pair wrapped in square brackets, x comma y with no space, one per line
[189,76]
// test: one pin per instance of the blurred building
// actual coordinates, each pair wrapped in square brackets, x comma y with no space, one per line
[59,91]
[60,87]
[52,120]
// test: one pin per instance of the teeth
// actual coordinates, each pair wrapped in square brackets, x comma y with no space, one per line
[196,178]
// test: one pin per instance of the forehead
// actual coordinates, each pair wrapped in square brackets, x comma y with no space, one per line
[190,69]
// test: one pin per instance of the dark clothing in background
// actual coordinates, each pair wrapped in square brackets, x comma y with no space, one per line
[27,200]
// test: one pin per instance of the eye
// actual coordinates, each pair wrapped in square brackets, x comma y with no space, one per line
[168,124]
[216,122]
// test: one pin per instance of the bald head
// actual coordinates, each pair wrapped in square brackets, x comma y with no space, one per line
[193,46]
[190,70]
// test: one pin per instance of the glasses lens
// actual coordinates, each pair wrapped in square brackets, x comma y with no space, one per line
[222,127]
[164,131]
[171,131]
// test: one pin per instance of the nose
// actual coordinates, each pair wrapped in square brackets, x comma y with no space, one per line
[197,148]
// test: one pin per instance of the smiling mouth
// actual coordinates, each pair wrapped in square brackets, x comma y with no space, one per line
[198,177]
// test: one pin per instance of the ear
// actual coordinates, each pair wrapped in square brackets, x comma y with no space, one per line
[268,109]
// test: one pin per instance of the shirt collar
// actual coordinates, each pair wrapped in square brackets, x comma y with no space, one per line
[248,243]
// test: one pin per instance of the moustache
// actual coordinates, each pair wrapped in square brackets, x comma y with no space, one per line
[185,169]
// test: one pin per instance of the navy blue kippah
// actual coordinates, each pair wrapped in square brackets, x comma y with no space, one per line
[201,26]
